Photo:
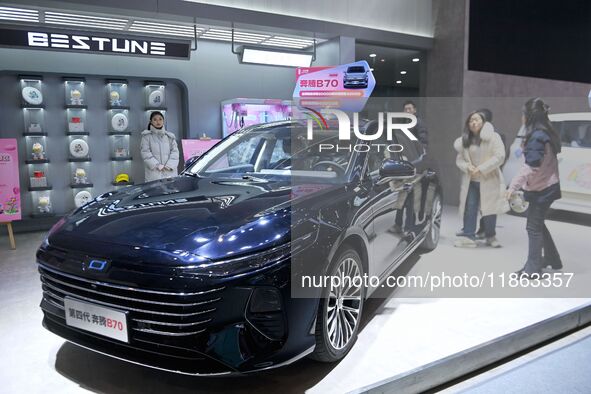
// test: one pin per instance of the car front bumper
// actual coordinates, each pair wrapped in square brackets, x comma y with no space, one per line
[208,330]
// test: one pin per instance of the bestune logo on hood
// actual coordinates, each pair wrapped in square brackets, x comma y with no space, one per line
[394,121]
[115,208]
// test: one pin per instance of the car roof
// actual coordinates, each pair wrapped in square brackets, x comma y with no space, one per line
[570,116]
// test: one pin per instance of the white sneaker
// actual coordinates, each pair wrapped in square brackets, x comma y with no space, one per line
[465,242]
[492,242]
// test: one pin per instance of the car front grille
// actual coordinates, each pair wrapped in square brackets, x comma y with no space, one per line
[154,317]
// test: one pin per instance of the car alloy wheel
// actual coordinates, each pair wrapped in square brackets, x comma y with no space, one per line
[344,305]
[340,309]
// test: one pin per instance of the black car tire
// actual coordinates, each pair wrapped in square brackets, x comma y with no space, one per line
[325,351]
[432,238]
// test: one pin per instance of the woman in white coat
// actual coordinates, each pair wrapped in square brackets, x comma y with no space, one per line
[480,155]
[160,152]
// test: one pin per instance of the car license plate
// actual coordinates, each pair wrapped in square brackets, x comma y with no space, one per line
[95,318]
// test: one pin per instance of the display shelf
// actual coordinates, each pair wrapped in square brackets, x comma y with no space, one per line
[122,183]
[26,134]
[156,108]
[74,106]
[77,133]
[43,161]
[40,189]
[42,215]
[79,159]
[31,106]
[81,185]
[127,158]
[119,107]
[119,133]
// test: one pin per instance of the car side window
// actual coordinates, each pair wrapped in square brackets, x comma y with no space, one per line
[279,153]
[576,134]
[239,155]
[410,151]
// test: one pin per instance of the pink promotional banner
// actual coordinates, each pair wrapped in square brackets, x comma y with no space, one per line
[197,148]
[10,197]
[346,87]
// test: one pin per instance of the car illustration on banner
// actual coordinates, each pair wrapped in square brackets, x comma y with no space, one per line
[347,86]
[356,77]
[203,274]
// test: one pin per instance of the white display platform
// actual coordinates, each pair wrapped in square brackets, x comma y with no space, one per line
[407,343]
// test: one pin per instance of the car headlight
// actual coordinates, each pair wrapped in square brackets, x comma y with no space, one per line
[252,262]
[240,265]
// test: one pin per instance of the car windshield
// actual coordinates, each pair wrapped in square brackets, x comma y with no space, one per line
[285,151]
[356,69]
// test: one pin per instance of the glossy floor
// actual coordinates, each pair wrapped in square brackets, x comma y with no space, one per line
[398,334]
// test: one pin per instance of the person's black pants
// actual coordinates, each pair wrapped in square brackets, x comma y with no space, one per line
[540,240]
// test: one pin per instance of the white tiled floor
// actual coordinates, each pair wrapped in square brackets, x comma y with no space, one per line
[399,334]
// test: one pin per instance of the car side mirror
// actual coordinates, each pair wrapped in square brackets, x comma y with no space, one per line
[190,162]
[396,169]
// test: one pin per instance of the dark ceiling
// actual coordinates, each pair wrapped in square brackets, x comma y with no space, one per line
[387,72]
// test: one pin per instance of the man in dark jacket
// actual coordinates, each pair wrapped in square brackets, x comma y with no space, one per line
[420,130]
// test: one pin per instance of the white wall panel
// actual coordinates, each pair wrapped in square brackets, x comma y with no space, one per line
[403,16]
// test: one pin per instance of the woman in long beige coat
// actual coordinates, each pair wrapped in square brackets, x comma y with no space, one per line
[480,155]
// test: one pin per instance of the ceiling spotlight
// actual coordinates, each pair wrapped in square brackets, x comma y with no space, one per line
[371,69]
[402,72]
[398,82]
[382,60]
[415,59]
[372,55]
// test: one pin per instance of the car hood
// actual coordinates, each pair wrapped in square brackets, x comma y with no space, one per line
[188,216]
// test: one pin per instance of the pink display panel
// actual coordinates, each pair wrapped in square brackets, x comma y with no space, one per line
[10,198]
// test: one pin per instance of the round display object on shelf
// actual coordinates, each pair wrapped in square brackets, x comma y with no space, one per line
[119,122]
[81,198]
[79,148]
[156,98]
[32,95]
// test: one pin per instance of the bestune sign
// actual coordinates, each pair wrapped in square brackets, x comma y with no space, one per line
[61,40]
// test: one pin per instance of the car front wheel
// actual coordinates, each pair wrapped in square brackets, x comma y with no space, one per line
[339,311]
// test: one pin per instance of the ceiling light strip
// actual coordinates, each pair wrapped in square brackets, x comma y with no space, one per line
[147,31]
[105,25]
[282,44]
[19,13]
[88,24]
[61,14]
[165,27]
[22,19]
[303,41]
[82,23]
[12,9]
[161,30]
[65,18]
